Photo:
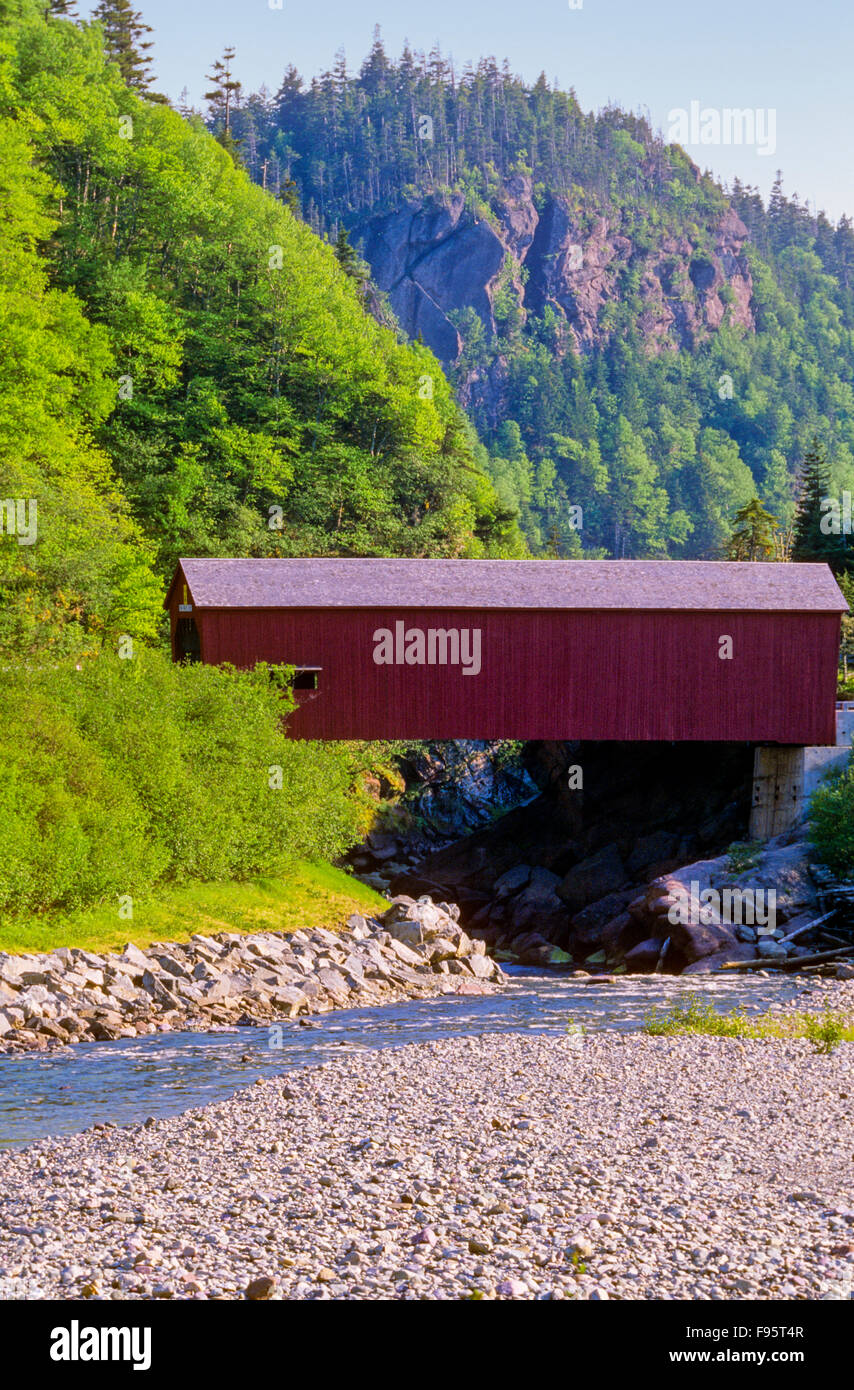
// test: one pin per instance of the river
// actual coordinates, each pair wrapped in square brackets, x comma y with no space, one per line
[124,1082]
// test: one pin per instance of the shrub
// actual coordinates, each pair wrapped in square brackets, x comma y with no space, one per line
[743,855]
[832,821]
[126,773]
[696,1016]
[825,1030]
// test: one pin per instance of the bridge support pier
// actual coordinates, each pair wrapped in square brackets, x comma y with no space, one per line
[786,775]
[778,802]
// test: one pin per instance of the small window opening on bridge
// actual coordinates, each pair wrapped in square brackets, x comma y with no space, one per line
[307,677]
[188,645]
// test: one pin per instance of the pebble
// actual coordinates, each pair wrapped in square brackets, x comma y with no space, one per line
[262,1288]
[380,1176]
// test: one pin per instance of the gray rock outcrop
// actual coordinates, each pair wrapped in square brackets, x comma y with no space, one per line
[434,258]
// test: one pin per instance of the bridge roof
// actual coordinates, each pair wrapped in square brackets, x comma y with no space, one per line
[716,585]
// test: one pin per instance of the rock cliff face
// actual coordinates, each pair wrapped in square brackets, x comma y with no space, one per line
[434,258]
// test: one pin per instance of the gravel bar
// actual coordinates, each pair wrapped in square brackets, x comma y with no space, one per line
[503,1166]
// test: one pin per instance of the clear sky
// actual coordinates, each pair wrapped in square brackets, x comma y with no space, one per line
[789,57]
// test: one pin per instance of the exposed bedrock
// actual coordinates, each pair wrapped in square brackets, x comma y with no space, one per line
[435,257]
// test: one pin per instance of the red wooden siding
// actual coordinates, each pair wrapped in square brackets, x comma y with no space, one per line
[550,674]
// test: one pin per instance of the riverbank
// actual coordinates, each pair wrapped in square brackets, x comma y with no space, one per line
[309,895]
[72,995]
[508,1166]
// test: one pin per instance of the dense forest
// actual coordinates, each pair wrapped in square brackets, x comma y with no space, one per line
[658,443]
[187,368]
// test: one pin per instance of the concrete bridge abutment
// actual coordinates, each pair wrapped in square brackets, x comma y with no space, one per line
[786,775]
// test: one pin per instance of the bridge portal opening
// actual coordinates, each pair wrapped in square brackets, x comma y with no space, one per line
[188,645]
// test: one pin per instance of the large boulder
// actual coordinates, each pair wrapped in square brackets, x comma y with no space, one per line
[588,926]
[618,935]
[513,881]
[738,952]
[532,949]
[411,922]
[650,851]
[785,869]
[771,950]
[538,907]
[643,958]
[600,874]
[694,941]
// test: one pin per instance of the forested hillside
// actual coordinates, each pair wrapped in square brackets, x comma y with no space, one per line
[185,368]
[628,337]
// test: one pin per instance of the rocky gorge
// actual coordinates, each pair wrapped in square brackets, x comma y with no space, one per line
[619,878]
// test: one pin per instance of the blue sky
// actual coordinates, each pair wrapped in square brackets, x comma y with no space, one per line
[781,56]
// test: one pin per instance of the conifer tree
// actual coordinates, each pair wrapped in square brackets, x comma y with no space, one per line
[814,537]
[125,43]
[754,536]
[346,255]
[61,9]
[376,69]
[223,97]
[553,544]
[290,195]
[288,99]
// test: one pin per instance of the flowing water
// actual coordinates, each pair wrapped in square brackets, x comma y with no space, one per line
[125,1081]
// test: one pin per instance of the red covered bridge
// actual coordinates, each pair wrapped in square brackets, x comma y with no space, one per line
[528,649]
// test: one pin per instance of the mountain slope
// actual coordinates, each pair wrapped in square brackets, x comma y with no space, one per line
[628,338]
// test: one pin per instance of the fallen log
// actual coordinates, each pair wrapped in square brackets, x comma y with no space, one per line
[808,927]
[798,961]
[840,940]
[793,963]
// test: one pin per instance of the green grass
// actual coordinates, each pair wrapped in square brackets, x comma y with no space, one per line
[824,1030]
[311,895]
[743,855]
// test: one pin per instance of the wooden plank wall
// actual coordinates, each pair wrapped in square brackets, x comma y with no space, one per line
[626,675]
